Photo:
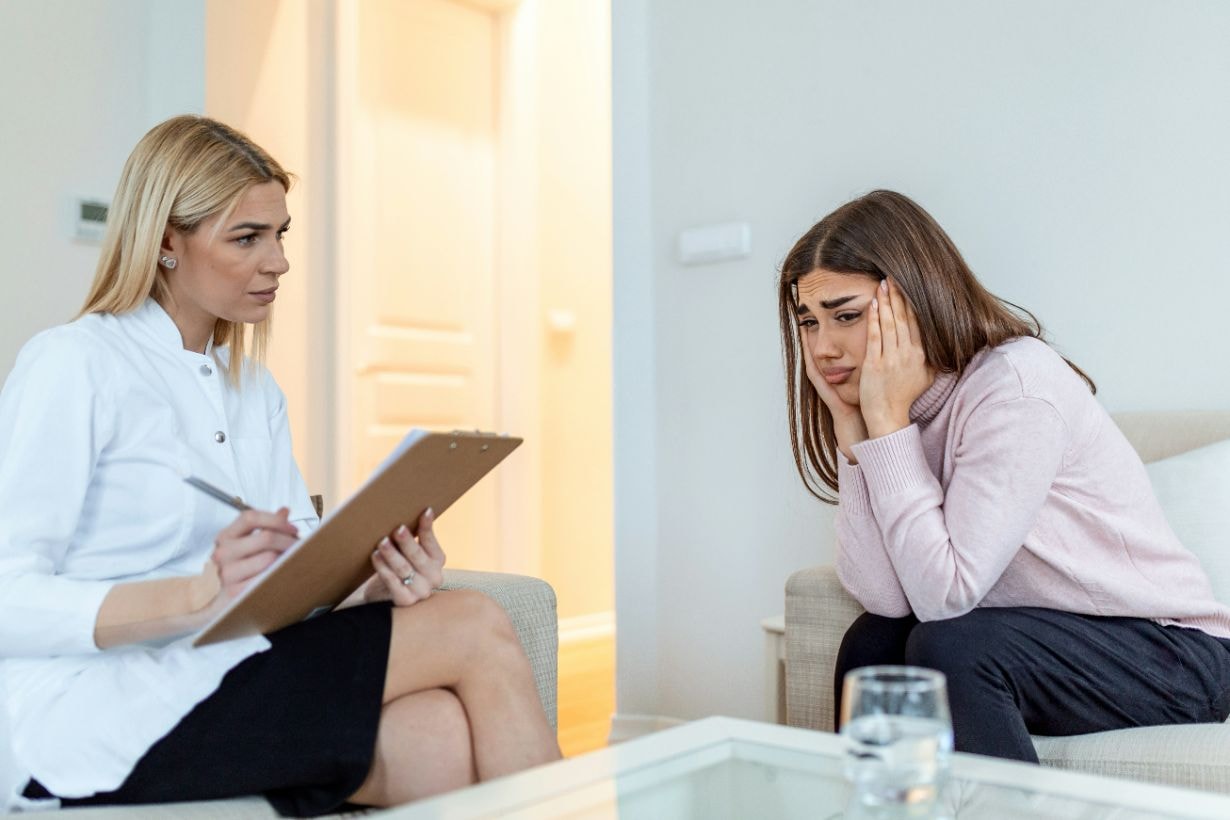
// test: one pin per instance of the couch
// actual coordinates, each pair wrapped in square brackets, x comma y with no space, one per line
[530,604]
[1188,458]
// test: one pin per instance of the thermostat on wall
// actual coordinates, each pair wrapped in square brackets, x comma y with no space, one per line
[91,218]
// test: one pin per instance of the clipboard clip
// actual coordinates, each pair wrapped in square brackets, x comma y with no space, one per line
[452,445]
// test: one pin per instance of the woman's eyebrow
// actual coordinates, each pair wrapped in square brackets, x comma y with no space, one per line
[249,226]
[256,226]
[833,303]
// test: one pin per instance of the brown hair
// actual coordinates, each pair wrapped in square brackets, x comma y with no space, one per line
[879,235]
[182,172]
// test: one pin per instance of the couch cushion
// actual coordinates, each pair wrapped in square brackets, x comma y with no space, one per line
[1194,491]
[1196,756]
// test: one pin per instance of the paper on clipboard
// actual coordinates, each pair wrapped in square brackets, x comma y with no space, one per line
[426,469]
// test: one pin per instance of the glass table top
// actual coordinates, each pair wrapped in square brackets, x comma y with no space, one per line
[721,768]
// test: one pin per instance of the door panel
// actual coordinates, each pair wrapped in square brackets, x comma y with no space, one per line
[422,317]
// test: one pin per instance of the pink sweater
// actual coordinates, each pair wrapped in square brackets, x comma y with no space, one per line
[1013,487]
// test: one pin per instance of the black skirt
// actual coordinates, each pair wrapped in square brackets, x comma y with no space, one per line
[296,723]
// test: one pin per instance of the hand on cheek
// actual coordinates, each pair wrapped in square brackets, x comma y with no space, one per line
[895,371]
[848,425]
[828,394]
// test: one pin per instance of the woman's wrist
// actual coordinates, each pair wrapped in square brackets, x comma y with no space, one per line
[203,589]
[885,424]
[151,610]
[849,431]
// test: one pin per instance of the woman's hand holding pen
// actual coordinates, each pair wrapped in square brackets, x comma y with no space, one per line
[895,370]
[244,549]
[152,609]
[409,565]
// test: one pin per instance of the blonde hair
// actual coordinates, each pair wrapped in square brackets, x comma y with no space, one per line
[182,172]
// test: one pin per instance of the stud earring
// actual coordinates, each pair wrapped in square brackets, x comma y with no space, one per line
[168,262]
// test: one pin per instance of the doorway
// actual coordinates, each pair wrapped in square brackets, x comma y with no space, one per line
[455,255]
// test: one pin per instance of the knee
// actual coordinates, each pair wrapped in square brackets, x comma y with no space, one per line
[957,646]
[873,640]
[484,614]
[974,647]
[482,618]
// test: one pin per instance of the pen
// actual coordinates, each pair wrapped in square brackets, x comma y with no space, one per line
[209,489]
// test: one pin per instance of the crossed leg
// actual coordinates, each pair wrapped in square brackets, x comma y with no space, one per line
[460,704]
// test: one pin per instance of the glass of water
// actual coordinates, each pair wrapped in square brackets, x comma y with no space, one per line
[898,735]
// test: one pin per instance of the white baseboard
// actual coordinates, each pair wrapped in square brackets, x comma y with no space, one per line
[627,727]
[587,627]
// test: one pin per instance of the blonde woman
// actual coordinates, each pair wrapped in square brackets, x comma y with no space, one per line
[107,558]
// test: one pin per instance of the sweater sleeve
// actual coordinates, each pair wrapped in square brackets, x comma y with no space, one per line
[949,547]
[863,565]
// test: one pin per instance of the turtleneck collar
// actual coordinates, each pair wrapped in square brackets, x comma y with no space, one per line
[927,406]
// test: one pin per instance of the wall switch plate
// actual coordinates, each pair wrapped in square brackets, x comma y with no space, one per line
[715,243]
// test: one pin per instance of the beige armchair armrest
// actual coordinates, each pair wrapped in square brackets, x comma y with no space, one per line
[818,613]
[530,604]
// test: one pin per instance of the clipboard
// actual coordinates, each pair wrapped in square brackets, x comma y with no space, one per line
[316,574]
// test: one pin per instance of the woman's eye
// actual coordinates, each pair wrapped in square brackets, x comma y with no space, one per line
[245,240]
[846,318]
[807,323]
[282,233]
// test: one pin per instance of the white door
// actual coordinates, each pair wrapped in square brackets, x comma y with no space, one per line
[418,184]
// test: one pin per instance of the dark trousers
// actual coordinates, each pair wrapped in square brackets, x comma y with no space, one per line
[1013,672]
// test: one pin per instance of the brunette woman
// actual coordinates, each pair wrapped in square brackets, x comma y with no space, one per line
[991,519]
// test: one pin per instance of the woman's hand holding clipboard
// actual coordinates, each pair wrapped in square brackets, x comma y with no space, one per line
[426,471]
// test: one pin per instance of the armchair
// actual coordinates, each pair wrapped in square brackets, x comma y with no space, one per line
[818,612]
[530,604]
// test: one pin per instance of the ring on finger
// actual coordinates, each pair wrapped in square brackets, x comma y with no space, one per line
[409,579]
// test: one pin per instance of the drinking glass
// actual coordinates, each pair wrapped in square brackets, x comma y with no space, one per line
[898,735]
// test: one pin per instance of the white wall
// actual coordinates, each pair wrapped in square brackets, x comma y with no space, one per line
[634,367]
[80,82]
[1075,151]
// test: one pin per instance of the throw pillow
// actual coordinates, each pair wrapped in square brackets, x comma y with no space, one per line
[1194,491]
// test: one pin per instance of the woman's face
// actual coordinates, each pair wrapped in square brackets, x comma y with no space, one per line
[832,313]
[228,270]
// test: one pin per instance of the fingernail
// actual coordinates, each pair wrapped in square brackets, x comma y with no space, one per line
[884,284]
[430,513]
[402,531]
[875,304]
[386,543]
